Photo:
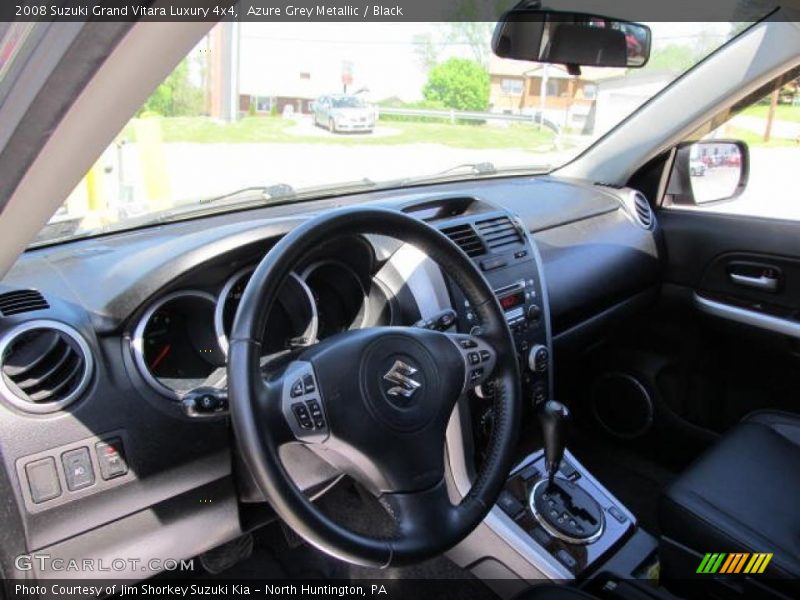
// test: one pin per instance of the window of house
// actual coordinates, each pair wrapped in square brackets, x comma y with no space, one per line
[554,87]
[263,104]
[511,86]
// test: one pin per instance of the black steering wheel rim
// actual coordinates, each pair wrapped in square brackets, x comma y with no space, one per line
[252,402]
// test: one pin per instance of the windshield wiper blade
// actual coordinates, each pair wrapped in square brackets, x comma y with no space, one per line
[267,192]
[479,169]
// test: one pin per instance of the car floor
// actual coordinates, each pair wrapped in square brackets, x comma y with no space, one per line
[278,553]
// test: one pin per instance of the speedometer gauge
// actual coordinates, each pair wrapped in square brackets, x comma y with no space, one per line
[291,322]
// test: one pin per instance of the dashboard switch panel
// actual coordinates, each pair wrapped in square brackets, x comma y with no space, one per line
[57,476]
[43,480]
[111,458]
[78,470]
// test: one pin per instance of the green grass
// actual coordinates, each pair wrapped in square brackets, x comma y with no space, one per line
[757,139]
[783,112]
[273,130]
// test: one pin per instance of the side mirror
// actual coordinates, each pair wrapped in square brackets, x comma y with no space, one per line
[572,39]
[709,171]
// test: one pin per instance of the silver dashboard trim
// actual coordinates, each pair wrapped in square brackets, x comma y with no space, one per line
[29,406]
[747,317]
[219,329]
[329,261]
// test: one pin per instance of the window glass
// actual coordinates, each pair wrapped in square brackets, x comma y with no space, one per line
[771,129]
[265,112]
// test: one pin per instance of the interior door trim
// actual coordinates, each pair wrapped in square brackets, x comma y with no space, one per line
[748,317]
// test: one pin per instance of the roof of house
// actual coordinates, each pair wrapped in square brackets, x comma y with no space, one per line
[523,68]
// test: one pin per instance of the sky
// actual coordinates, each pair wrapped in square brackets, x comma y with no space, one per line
[383,56]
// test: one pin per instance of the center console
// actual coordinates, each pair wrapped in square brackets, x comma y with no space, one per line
[502,249]
[553,518]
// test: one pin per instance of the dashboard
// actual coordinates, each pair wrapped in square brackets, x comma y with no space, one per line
[130,334]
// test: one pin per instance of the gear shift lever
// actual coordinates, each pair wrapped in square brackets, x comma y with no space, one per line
[553,417]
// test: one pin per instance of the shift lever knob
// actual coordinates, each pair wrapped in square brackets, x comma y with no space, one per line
[553,417]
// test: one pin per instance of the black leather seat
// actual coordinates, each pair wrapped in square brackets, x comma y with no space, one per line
[743,495]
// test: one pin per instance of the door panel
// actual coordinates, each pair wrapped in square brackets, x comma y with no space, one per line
[735,286]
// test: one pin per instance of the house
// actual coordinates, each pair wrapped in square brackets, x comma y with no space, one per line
[520,87]
[619,95]
[283,89]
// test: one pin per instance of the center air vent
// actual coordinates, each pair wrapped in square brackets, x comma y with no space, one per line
[644,214]
[20,301]
[499,232]
[45,366]
[466,238]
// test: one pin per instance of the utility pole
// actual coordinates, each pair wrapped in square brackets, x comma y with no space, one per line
[771,114]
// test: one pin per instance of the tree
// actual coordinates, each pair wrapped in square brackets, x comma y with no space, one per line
[675,58]
[459,84]
[177,95]
[427,50]
[476,35]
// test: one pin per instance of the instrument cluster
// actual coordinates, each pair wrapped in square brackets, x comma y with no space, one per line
[180,342]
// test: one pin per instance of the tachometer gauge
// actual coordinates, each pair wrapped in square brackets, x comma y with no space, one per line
[339,296]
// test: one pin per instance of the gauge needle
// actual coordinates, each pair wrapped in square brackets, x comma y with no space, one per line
[161,356]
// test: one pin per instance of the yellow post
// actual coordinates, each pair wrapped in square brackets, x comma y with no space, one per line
[153,161]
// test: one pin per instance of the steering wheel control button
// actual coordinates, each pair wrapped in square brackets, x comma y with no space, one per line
[316,414]
[302,415]
[43,480]
[297,389]
[302,404]
[475,352]
[111,458]
[78,470]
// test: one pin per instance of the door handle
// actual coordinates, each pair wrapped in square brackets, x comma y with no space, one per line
[762,282]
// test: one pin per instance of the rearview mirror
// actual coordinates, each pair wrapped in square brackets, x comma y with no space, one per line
[572,39]
[708,171]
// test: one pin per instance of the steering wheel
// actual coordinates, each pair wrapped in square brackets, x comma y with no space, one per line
[374,402]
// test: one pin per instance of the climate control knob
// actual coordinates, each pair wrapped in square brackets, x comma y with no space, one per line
[534,313]
[538,358]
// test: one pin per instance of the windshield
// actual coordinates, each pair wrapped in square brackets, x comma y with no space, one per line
[250,114]
[348,102]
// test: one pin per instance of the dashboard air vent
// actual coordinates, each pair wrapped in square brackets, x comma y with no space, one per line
[20,301]
[45,366]
[499,232]
[644,214]
[466,238]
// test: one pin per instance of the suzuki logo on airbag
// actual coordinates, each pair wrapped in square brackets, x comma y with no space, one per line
[400,374]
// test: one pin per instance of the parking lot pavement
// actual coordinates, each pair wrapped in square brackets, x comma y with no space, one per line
[202,170]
